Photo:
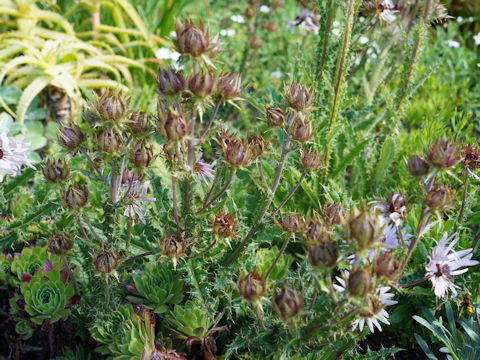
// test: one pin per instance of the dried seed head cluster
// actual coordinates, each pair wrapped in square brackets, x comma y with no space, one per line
[60,244]
[106,262]
[224,224]
[252,286]
[439,197]
[470,157]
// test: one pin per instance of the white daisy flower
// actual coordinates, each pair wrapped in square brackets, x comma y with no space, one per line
[459,19]
[391,211]
[386,11]
[237,18]
[444,263]
[264,9]
[136,193]
[228,32]
[453,44]
[13,155]
[363,40]
[476,38]
[375,312]
[306,18]
[167,54]
[390,240]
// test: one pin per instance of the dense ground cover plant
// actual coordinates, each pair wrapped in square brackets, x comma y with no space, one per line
[298,182]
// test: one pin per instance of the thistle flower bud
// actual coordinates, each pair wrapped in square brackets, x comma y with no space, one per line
[141,155]
[224,224]
[417,166]
[323,253]
[257,145]
[275,116]
[173,125]
[192,40]
[298,96]
[315,230]
[364,230]
[440,197]
[294,223]
[443,154]
[250,12]
[287,303]
[386,265]
[139,122]
[334,213]
[106,262]
[110,107]
[75,197]
[470,157]
[360,283]
[255,43]
[202,84]
[310,160]
[169,82]
[172,245]
[70,137]
[108,140]
[229,86]
[56,171]
[237,153]
[60,244]
[89,116]
[301,129]
[129,176]
[252,286]
[271,27]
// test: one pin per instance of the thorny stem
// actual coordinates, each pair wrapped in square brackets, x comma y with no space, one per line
[207,249]
[326,37]
[95,167]
[268,199]
[280,253]
[77,220]
[148,253]
[175,206]
[93,230]
[225,188]
[314,297]
[290,194]
[400,235]
[210,122]
[260,170]
[179,157]
[321,324]
[415,282]
[217,176]
[465,188]
[330,287]
[260,320]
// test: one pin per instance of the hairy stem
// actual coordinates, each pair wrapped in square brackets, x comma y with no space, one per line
[415,282]
[77,220]
[280,253]
[175,206]
[222,191]
[464,198]
[148,253]
[95,167]
[210,122]
[127,238]
[217,177]
[93,230]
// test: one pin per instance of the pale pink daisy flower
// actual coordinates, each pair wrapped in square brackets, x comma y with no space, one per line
[136,194]
[391,211]
[444,263]
[12,155]
[204,170]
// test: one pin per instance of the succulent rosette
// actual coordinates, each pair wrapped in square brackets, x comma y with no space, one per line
[47,294]
[30,260]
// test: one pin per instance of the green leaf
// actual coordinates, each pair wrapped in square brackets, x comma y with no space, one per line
[387,156]
[347,160]
[425,348]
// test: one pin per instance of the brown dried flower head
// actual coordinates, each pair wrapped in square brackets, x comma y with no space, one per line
[334,213]
[443,154]
[255,43]
[71,137]
[252,286]
[106,262]
[139,122]
[60,243]
[386,265]
[141,155]
[323,254]
[301,129]
[56,171]
[169,82]
[224,224]
[360,283]
[310,160]
[193,40]
[365,229]
[202,84]
[315,230]
[470,157]
[108,140]
[229,86]
[287,303]
[75,197]
[440,197]
[294,223]
[257,145]
[275,115]
[298,96]
[418,166]
[173,125]
[173,245]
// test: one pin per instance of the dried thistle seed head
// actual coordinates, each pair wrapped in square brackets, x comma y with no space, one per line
[287,303]
[169,82]
[173,245]
[440,197]
[128,176]
[310,160]
[365,229]
[173,125]
[229,86]
[443,154]
[301,130]
[275,115]
[271,27]
[386,265]
[323,254]
[315,230]
[334,213]
[471,157]
[202,84]
[110,107]
[360,283]
[257,145]
[108,140]
[250,12]
[417,166]
[193,40]
[298,96]
[70,137]
[139,122]
[56,171]
[106,262]
[224,224]
[237,153]
[141,155]
[255,43]
[75,197]
[294,223]
[60,243]
[252,286]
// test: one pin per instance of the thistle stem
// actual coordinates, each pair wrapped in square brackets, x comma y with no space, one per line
[314,297]
[95,167]
[77,220]
[280,253]
[210,122]
[268,199]
[415,282]
[175,206]
[224,189]
[93,231]
[260,170]
[70,274]
[330,287]
[217,176]
[400,235]
[259,317]
[321,325]
[326,37]
[207,249]
[127,239]
[141,255]
[290,194]
[465,189]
